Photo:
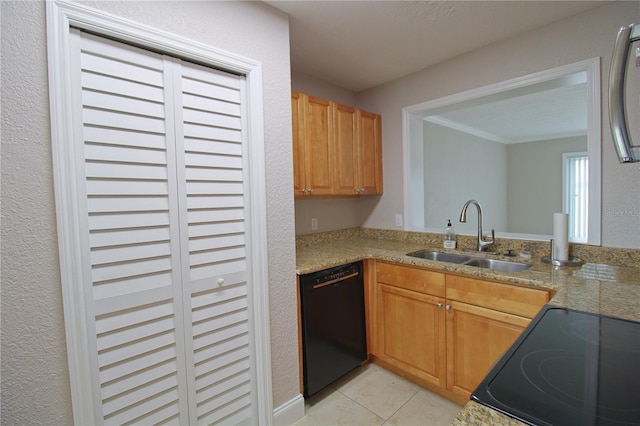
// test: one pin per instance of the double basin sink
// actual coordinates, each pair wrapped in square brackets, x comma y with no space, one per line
[461,259]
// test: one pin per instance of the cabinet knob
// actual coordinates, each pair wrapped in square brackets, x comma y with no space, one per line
[310,190]
[220,281]
[448,307]
[304,190]
[439,305]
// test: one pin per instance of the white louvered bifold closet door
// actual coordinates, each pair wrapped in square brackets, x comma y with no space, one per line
[212,209]
[166,262]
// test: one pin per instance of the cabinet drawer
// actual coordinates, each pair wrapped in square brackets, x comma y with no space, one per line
[419,280]
[523,301]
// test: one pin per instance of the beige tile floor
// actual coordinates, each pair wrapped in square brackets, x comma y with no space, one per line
[372,395]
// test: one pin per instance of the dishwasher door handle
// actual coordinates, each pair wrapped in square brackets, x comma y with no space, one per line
[346,277]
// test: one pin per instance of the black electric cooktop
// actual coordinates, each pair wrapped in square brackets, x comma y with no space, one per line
[569,368]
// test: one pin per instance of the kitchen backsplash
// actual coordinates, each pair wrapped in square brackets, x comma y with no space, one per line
[538,249]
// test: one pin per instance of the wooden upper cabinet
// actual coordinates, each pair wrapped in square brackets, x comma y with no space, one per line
[336,148]
[370,153]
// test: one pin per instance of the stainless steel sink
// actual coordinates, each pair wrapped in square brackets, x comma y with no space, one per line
[481,262]
[440,256]
[498,265]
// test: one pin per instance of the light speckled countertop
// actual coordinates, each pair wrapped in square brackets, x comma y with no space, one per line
[593,287]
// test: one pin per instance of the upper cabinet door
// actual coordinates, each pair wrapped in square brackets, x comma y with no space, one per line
[345,150]
[297,127]
[318,145]
[370,153]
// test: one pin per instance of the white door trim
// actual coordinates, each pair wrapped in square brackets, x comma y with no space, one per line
[61,16]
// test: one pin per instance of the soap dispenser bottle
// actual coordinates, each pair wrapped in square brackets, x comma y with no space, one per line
[449,236]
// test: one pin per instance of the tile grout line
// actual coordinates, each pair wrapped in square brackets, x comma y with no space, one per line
[366,408]
[376,414]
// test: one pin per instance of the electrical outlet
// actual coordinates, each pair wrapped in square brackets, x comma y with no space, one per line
[398,219]
[314,224]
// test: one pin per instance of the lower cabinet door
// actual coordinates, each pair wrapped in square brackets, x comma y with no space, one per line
[411,332]
[476,338]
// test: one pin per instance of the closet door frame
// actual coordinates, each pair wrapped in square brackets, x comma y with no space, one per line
[61,17]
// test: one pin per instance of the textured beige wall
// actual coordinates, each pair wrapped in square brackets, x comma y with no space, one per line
[588,35]
[35,382]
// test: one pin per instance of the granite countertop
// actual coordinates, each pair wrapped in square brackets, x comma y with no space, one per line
[592,287]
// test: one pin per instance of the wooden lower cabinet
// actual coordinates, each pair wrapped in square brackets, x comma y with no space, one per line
[412,332]
[476,338]
[421,332]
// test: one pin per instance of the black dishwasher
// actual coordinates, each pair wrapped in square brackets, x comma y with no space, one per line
[334,338]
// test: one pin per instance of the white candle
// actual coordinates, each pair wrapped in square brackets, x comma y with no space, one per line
[561,236]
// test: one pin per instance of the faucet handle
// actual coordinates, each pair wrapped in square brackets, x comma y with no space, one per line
[493,237]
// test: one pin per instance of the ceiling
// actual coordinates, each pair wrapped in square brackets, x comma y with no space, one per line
[358,45]
[540,113]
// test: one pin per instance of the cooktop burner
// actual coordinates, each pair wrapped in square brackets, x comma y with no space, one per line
[569,368]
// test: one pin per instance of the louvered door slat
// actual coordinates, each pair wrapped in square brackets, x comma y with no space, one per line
[127,368]
[196,101]
[123,104]
[208,229]
[213,91]
[222,175]
[135,349]
[128,220]
[216,242]
[129,236]
[123,402]
[212,133]
[105,83]
[235,417]
[122,120]
[138,204]
[226,397]
[212,119]
[106,324]
[122,254]
[136,413]
[148,375]
[213,147]
[223,162]
[101,135]
[125,171]
[216,215]
[121,54]
[125,154]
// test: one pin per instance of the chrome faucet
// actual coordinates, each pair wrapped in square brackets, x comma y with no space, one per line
[463,218]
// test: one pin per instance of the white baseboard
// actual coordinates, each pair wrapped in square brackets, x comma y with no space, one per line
[289,412]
